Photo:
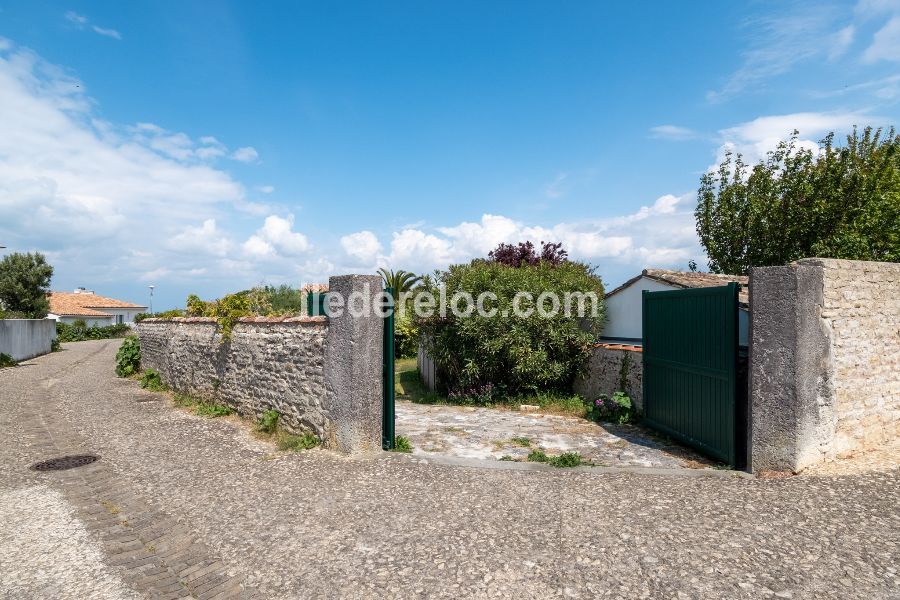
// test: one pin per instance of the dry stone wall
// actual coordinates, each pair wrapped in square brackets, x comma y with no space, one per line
[268,364]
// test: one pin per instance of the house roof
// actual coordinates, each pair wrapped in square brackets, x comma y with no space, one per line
[68,304]
[691,279]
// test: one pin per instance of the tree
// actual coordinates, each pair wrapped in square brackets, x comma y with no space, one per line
[838,202]
[24,284]
[524,254]
[399,281]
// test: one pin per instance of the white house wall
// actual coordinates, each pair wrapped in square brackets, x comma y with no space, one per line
[624,309]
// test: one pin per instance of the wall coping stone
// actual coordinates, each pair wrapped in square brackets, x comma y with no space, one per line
[320,320]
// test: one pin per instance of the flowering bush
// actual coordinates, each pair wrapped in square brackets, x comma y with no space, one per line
[480,395]
[617,409]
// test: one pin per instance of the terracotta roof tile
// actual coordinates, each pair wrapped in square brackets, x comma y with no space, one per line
[85,305]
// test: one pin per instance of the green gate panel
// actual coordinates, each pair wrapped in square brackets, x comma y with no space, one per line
[690,354]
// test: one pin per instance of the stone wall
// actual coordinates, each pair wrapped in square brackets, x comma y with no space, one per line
[277,364]
[603,373]
[26,338]
[322,374]
[825,361]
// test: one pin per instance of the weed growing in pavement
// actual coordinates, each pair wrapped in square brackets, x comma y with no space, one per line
[566,460]
[54,345]
[6,361]
[151,380]
[289,441]
[538,456]
[507,457]
[205,409]
[401,444]
[520,441]
[268,422]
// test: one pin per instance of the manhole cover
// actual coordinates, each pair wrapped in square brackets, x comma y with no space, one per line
[64,463]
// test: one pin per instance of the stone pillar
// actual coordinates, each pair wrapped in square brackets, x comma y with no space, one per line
[791,391]
[353,366]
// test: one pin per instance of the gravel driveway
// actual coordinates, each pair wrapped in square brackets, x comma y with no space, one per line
[181,506]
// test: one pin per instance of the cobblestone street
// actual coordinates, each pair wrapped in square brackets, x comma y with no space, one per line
[184,506]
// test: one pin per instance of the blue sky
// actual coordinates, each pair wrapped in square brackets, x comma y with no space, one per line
[208,146]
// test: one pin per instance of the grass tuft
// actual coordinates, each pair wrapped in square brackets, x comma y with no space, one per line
[402,444]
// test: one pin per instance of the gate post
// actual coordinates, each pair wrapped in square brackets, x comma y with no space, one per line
[353,365]
[387,378]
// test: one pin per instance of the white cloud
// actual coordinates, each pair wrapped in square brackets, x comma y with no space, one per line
[81,21]
[755,138]
[74,17]
[555,189]
[672,132]
[265,189]
[363,246]
[107,32]
[885,44]
[841,41]
[277,238]
[246,154]
[206,239]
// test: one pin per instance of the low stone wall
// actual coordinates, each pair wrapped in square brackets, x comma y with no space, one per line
[322,374]
[825,361]
[266,365]
[605,373]
[26,338]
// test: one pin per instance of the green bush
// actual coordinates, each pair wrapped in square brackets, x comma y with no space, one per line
[79,331]
[167,314]
[208,409]
[618,409]
[268,422]
[128,358]
[6,361]
[151,380]
[514,355]
[54,345]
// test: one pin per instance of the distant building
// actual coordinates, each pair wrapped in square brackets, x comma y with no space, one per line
[624,307]
[96,311]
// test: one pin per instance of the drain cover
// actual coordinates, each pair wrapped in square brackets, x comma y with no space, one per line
[64,463]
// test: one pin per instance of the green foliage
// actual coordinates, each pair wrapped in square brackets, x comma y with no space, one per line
[12,314]
[54,345]
[166,314]
[566,460]
[624,369]
[538,456]
[212,410]
[521,441]
[516,355]
[305,441]
[842,202]
[184,400]
[402,444]
[229,309]
[24,284]
[128,358]
[284,300]
[618,409]
[399,281]
[6,361]
[151,380]
[268,422]
[78,331]
[406,335]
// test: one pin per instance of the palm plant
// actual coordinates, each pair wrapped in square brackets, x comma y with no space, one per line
[399,281]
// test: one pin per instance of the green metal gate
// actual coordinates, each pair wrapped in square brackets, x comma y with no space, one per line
[690,353]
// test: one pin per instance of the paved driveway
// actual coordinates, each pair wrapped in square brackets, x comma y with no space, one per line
[180,505]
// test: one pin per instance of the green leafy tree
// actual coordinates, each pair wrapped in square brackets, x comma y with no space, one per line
[24,284]
[839,202]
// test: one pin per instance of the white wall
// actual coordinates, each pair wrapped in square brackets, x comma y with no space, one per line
[26,338]
[127,314]
[89,321]
[624,312]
